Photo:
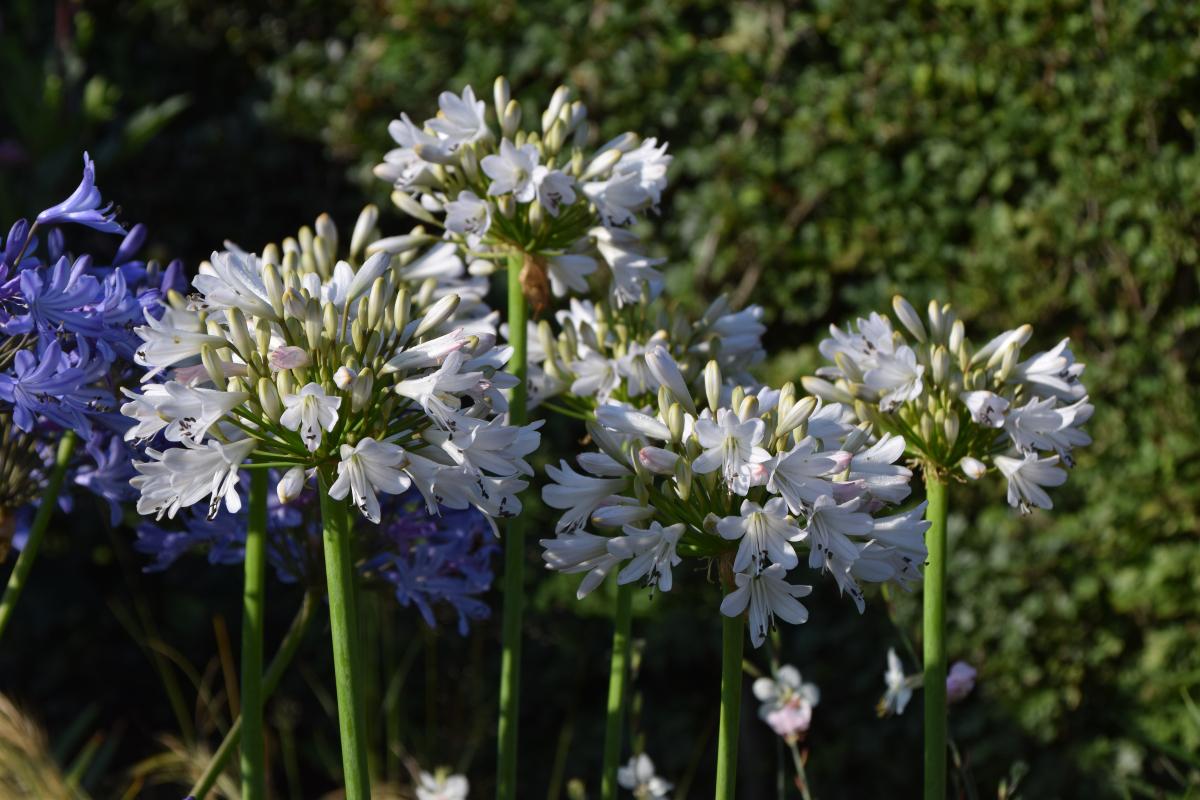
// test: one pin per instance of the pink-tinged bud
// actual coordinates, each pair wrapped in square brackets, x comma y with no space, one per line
[288,357]
[959,681]
[344,377]
[841,459]
[973,468]
[658,460]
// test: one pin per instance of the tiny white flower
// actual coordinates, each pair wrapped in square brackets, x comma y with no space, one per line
[512,171]
[310,412]
[183,413]
[829,527]
[442,787]
[181,476]
[899,686]
[652,551]
[469,216]
[177,335]
[1052,374]
[617,199]
[1043,425]
[802,474]
[876,468]
[973,468]
[768,595]
[987,408]
[786,702]
[960,680]
[638,777]
[766,533]
[233,279]
[649,161]
[366,468]
[568,273]
[1026,477]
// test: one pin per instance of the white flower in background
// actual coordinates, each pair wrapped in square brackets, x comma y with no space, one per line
[442,786]
[960,680]
[578,494]
[618,199]
[766,534]
[899,686]
[340,366]
[877,470]
[768,595]
[469,216]
[786,702]
[649,162]
[651,554]
[1026,477]
[957,407]
[461,119]
[568,273]
[580,552]
[310,412]
[512,171]
[638,776]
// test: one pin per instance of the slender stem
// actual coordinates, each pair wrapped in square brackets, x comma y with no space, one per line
[254,768]
[801,775]
[935,637]
[514,557]
[283,658]
[618,681]
[20,573]
[339,574]
[732,633]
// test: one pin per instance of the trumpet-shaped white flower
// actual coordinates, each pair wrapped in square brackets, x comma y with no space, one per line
[768,595]
[183,413]
[878,471]
[369,467]
[801,475]
[766,534]
[233,279]
[460,120]
[1044,425]
[469,216]
[512,171]
[987,408]
[1053,374]
[554,189]
[578,494]
[310,412]
[651,552]
[732,446]
[1026,477]
[580,552]
[896,377]
[181,476]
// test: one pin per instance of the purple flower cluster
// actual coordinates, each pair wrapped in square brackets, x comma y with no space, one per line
[66,340]
[423,559]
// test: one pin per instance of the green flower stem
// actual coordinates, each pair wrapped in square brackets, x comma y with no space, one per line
[20,573]
[514,556]
[732,634]
[935,637]
[254,768]
[339,575]
[618,682]
[281,661]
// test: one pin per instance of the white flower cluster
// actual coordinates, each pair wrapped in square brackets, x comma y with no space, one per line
[603,353]
[534,193]
[377,373]
[960,407]
[744,480]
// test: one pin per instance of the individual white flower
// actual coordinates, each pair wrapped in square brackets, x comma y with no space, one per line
[666,372]
[768,595]
[179,334]
[899,686]
[310,412]
[369,467]
[649,161]
[897,549]
[493,446]
[438,392]
[829,527]
[652,551]
[442,786]
[1043,425]
[802,474]
[622,418]
[568,273]
[233,279]
[638,776]
[973,468]
[766,533]
[554,189]
[595,375]
[617,199]
[469,216]
[987,408]
[404,166]
[730,445]
[875,467]
[786,702]
[1026,477]
[580,552]
[960,680]
[633,272]
[1052,374]
[512,171]
[183,413]
[181,476]
[460,120]
[896,377]
[578,494]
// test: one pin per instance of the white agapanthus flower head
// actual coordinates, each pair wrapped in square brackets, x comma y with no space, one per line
[372,373]
[594,352]
[534,198]
[639,777]
[961,407]
[742,476]
[787,702]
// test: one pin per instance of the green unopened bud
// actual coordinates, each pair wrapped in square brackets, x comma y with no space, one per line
[327,233]
[358,334]
[268,398]
[857,437]
[927,428]
[323,256]
[936,329]
[271,254]
[436,314]
[826,390]
[400,244]
[274,287]
[940,366]
[796,415]
[555,137]
[305,238]
[376,302]
[950,426]
[405,202]
[469,163]
[212,365]
[848,366]
[294,305]
[501,95]
[559,99]
[1007,363]
[401,309]
[712,385]
[602,164]
[675,417]
[955,344]
[360,391]
[510,120]
[683,479]
[364,229]
[239,333]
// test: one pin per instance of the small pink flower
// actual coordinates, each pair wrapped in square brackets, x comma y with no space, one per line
[960,681]
[791,720]
[288,357]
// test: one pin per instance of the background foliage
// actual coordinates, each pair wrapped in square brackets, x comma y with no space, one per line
[1029,161]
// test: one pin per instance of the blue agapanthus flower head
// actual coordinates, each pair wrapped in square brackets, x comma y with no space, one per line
[66,340]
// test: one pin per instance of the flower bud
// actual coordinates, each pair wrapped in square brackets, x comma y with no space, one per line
[973,468]
[908,317]
[290,485]
[212,365]
[501,95]
[602,164]
[274,287]
[510,120]
[268,398]
[436,314]
[560,97]
[796,415]
[400,244]
[676,422]
[936,330]
[940,366]
[343,377]
[288,357]
[957,335]
[683,479]
[658,460]
[951,429]
[360,391]
[826,390]
[712,385]
[327,232]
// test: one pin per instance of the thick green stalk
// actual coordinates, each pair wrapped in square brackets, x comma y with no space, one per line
[20,573]
[339,576]
[514,557]
[935,637]
[732,633]
[254,766]
[618,682]
[281,661]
